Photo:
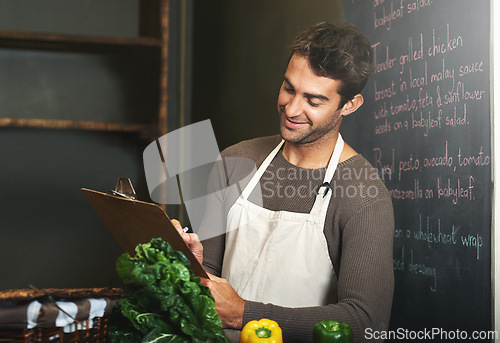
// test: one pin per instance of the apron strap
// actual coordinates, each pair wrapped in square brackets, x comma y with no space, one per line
[332,166]
[334,160]
[262,169]
[324,191]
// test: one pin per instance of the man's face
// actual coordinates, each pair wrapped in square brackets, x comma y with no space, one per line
[308,104]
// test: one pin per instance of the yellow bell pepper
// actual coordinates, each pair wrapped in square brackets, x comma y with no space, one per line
[262,331]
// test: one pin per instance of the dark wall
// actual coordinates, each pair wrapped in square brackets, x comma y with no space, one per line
[49,234]
[239,58]
[84,17]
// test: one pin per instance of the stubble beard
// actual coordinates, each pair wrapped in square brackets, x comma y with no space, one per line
[310,135]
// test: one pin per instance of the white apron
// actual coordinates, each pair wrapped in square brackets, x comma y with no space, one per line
[281,257]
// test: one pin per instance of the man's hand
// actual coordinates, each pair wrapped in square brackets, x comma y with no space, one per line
[191,239]
[228,304]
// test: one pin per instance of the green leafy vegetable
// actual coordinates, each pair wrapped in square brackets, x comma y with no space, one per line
[167,302]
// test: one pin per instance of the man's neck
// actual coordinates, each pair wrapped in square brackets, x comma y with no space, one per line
[314,156]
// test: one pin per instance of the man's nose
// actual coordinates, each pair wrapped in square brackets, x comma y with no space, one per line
[294,107]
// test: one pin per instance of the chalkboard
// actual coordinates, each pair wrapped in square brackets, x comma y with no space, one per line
[425,126]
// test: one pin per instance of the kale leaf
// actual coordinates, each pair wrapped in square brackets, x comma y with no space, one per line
[167,302]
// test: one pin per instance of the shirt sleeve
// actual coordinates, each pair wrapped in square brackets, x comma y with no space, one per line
[365,281]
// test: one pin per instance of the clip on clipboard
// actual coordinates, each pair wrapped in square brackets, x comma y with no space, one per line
[134,222]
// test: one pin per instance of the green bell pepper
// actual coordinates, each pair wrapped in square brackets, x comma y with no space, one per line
[329,331]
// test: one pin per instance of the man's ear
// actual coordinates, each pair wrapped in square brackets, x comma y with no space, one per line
[352,105]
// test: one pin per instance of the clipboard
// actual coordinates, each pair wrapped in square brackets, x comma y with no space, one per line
[134,222]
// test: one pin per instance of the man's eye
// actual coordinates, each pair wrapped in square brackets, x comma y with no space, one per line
[288,90]
[312,103]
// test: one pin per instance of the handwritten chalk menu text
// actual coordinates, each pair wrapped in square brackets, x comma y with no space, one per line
[425,127]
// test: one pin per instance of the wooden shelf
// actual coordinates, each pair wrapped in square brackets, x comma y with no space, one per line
[23,39]
[153,40]
[74,124]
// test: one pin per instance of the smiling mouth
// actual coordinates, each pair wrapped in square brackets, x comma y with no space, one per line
[291,124]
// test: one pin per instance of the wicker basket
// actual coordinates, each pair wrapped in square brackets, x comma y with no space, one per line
[93,331]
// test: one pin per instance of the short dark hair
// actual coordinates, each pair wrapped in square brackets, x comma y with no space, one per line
[339,52]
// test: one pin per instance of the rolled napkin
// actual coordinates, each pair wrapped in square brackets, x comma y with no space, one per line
[43,313]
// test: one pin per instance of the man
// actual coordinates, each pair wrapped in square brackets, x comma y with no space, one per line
[309,234]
